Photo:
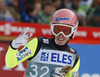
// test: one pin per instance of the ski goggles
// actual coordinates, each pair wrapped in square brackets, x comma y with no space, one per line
[66,30]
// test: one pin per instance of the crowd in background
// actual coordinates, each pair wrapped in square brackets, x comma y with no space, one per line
[41,11]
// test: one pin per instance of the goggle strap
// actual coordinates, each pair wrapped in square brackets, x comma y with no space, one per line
[75,28]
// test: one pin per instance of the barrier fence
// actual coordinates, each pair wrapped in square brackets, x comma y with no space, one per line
[86,35]
[86,43]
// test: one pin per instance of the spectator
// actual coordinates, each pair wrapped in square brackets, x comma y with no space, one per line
[46,14]
[86,2]
[38,7]
[5,14]
[13,9]
[28,2]
[75,6]
[24,3]
[95,20]
[91,10]
[44,2]
[30,15]
[64,3]
[85,5]
[53,9]
[56,4]
[1,11]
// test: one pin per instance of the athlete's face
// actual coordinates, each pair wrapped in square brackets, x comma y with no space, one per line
[61,39]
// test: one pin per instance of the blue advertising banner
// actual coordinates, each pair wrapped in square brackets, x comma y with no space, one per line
[89,59]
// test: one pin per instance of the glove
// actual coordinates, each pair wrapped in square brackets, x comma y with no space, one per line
[22,39]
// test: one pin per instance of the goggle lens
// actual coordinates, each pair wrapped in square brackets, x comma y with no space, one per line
[59,28]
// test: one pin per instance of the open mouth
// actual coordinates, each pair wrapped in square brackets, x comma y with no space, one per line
[60,39]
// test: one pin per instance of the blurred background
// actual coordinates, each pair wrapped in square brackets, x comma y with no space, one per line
[15,15]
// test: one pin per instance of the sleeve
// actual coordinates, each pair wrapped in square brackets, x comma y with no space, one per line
[74,71]
[13,57]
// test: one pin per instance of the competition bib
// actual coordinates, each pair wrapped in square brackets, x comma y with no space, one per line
[50,63]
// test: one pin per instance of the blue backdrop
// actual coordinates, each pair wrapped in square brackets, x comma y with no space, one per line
[89,59]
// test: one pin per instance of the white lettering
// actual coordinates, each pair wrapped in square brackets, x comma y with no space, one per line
[6,68]
[81,33]
[25,54]
[19,68]
[95,75]
[1,49]
[85,75]
[33,30]
[88,75]
[96,34]
[46,31]
[20,29]
[14,29]
[8,28]
[1,28]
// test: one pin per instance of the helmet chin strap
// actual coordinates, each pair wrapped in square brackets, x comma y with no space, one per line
[55,41]
[71,37]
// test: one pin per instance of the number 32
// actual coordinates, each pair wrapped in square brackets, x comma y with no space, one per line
[36,72]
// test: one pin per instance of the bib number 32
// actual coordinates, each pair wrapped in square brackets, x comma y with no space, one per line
[41,69]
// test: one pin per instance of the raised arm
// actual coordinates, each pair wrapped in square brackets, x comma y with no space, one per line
[13,56]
